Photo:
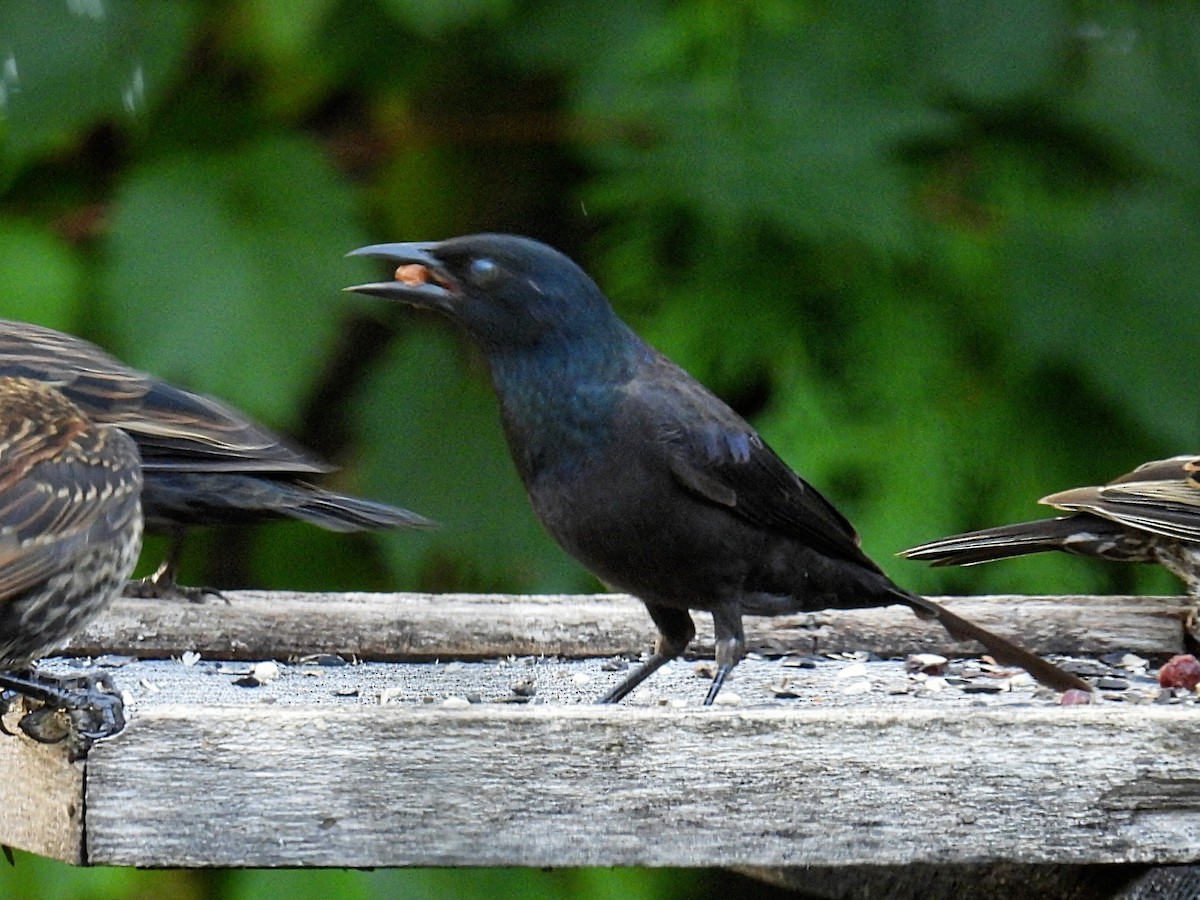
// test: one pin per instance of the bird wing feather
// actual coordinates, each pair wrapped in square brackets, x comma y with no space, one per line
[56,500]
[715,454]
[1161,497]
[175,429]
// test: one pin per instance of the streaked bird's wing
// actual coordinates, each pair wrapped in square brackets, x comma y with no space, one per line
[1160,497]
[174,428]
[65,484]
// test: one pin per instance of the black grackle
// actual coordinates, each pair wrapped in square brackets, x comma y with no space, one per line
[640,473]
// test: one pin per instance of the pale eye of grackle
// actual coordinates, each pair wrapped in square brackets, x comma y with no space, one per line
[484,271]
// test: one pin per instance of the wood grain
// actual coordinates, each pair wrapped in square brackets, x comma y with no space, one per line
[588,786]
[263,625]
[41,797]
[315,769]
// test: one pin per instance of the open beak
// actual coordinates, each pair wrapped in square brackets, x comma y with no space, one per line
[420,279]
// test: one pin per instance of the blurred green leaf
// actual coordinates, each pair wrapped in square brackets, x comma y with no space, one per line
[297,885]
[1115,296]
[995,51]
[295,556]
[64,65]
[37,877]
[283,32]
[442,884]
[434,17]
[42,278]
[224,271]
[411,193]
[286,39]
[477,884]
[1138,84]
[596,42]
[747,123]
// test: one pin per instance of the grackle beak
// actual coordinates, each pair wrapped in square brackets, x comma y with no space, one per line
[420,279]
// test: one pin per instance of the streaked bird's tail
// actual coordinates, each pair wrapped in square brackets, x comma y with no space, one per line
[1082,534]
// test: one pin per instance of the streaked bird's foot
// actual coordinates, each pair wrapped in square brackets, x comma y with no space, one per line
[1191,626]
[8,699]
[153,588]
[82,708]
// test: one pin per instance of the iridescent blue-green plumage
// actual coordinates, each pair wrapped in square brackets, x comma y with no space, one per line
[638,471]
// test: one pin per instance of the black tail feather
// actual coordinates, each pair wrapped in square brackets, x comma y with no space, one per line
[1001,649]
[340,512]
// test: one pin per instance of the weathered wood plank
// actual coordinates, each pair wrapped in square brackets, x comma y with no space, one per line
[312,769]
[260,625]
[41,795]
[585,785]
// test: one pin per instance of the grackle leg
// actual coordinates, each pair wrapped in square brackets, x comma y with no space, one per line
[731,646]
[675,632]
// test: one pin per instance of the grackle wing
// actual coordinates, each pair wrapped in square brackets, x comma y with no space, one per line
[715,454]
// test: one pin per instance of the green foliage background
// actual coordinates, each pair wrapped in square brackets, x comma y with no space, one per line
[945,255]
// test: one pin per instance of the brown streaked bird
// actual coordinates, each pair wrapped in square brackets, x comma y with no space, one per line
[1150,515]
[205,463]
[70,528]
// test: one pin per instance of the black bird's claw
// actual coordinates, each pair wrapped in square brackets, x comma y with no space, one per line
[46,725]
[7,698]
[99,711]
[164,584]
[87,706]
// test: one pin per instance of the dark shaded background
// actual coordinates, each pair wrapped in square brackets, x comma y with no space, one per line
[945,255]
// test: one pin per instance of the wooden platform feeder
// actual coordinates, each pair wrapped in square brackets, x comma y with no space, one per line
[459,730]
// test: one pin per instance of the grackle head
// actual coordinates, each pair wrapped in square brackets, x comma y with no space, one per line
[508,292]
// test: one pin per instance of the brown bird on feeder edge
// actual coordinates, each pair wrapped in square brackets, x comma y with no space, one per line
[70,532]
[1150,515]
[205,463]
